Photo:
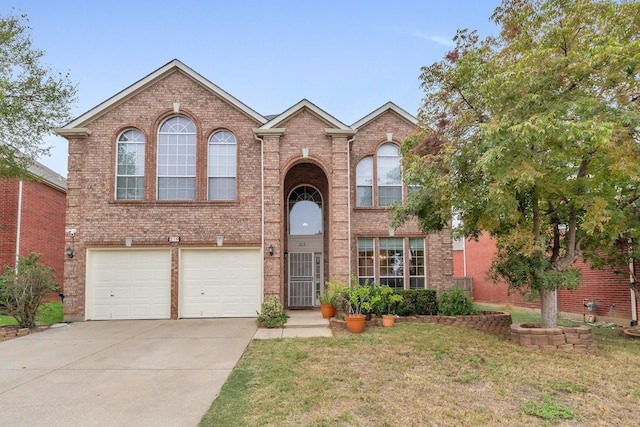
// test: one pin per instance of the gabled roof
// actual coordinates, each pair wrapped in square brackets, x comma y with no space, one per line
[46,175]
[292,111]
[78,124]
[380,111]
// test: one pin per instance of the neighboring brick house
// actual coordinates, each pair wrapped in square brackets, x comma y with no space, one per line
[187,203]
[608,289]
[32,218]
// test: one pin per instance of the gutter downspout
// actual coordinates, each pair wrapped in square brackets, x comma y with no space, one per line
[261,214]
[18,224]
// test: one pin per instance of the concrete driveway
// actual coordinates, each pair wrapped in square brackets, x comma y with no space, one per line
[119,373]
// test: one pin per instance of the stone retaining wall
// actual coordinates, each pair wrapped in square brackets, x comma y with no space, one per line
[488,321]
[11,331]
[531,335]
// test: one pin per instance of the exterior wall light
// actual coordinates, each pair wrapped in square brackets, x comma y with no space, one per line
[128,241]
[271,250]
[69,252]
[219,240]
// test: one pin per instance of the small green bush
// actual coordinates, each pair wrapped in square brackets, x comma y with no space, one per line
[417,302]
[272,314]
[455,302]
[22,289]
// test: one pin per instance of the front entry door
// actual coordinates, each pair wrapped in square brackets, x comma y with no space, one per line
[301,288]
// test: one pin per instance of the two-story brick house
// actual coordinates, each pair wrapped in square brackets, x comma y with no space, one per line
[185,203]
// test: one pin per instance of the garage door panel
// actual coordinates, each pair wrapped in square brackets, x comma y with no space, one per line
[130,284]
[220,283]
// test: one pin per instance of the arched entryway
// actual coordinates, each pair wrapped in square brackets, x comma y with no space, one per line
[306,224]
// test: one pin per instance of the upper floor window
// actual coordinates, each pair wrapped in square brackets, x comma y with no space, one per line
[130,165]
[389,175]
[388,178]
[222,166]
[305,211]
[364,182]
[177,159]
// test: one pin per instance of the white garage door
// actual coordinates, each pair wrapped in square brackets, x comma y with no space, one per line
[129,284]
[220,282]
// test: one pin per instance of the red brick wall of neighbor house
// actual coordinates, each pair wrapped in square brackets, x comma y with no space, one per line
[458,263]
[102,221]
[42,223]
[374,222]
[8,220]
[608,288]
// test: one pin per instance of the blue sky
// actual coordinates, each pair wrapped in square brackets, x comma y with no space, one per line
[348,57]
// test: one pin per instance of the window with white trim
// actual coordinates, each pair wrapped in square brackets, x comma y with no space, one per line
[222,166]
[391,256]
[130,165]
[389,266]
[177,159]
[366,260]
[389,175]
[416,263]
[364,182]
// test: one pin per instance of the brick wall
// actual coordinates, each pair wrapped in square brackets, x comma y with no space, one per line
[42,223]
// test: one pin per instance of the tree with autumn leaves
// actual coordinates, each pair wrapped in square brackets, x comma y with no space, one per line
[532,135]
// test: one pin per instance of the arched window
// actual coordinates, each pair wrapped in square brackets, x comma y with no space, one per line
[364,182]
[130,165]
[305,211]
[177,159]
[389,175]
[222,166]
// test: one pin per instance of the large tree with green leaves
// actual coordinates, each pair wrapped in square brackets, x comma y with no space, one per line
[33,98]
[532,135]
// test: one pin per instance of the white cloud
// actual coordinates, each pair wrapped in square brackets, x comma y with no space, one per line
[438,39]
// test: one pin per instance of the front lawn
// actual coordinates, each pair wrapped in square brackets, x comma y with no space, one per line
[48,314]
[428,375]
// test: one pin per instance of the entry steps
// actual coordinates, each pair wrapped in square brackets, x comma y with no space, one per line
[301,324]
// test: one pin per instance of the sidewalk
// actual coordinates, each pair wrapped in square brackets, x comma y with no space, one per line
[301,324]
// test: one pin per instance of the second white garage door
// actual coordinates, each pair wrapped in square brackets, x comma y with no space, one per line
[220,282]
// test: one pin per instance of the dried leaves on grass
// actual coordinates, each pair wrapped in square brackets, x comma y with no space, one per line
[426,375]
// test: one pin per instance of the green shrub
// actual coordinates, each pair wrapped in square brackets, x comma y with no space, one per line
[272,314]
[417,302]
[454,302]
[22,289]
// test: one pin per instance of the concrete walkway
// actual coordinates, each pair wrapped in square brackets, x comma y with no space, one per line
[301,324]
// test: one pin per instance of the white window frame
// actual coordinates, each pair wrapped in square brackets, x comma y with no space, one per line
[172,137]
[372,278]
[364,181]
[128,139]
[413,265]
[216,170]
[383,181]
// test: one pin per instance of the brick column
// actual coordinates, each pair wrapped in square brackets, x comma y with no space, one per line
[272,188]
[339,212]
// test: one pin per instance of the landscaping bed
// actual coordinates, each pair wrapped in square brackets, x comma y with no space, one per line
[531,335]
[487,321]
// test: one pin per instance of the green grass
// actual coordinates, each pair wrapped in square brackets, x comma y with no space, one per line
[48,314]
[431,375]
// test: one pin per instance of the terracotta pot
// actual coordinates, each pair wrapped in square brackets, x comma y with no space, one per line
[355,323]
[388,320]
[328,311]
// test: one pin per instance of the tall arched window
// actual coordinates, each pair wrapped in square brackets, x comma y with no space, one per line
[389,175]
[130,165]
[364,182]
[305,211]
[222,166]
[177,159]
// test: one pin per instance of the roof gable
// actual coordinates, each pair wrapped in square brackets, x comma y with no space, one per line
[145,82]
[314,109]
[389,106]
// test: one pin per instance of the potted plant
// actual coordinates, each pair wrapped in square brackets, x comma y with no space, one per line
[328,302]
[389,302]
[358,302]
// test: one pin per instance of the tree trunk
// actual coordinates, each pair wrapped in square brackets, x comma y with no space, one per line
[548,308]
